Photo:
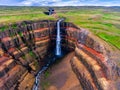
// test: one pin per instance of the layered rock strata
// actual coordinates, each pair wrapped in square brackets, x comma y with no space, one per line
[91,62]
[24,46]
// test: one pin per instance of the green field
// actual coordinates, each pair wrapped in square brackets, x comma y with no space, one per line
[102,21]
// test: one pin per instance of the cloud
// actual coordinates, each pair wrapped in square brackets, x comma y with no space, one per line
[61,2]
[70,2]
[39,2]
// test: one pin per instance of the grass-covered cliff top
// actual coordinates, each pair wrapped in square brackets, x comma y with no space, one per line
[102,21]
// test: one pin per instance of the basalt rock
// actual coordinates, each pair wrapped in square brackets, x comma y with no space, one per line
[23,47]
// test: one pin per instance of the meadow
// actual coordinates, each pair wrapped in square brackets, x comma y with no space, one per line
[104,22]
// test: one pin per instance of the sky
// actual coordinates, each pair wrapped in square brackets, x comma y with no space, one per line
[60,2]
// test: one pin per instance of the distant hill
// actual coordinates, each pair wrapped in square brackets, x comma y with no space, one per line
[114,8]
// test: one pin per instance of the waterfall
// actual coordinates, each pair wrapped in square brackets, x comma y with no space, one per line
[52,59]
[58,39]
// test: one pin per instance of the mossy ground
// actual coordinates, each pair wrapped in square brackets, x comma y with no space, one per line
[103,22]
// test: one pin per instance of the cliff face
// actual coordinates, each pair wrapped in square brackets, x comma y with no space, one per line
[24,46]
[23,49]
[92,63]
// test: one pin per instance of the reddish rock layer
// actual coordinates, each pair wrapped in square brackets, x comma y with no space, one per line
[24,46]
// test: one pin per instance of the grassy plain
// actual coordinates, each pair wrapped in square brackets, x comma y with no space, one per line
[102,21]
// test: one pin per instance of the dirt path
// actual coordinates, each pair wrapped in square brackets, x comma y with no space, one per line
[61,76]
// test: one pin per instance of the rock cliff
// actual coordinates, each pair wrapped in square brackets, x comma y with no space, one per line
[24,45]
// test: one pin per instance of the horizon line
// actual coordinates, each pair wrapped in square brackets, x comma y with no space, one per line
[64,6]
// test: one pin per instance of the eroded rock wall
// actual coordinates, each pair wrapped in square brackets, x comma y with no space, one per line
[91,61]
[22,50]
[24,45]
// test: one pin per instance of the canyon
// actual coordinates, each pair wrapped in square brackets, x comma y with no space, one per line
[25,47]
